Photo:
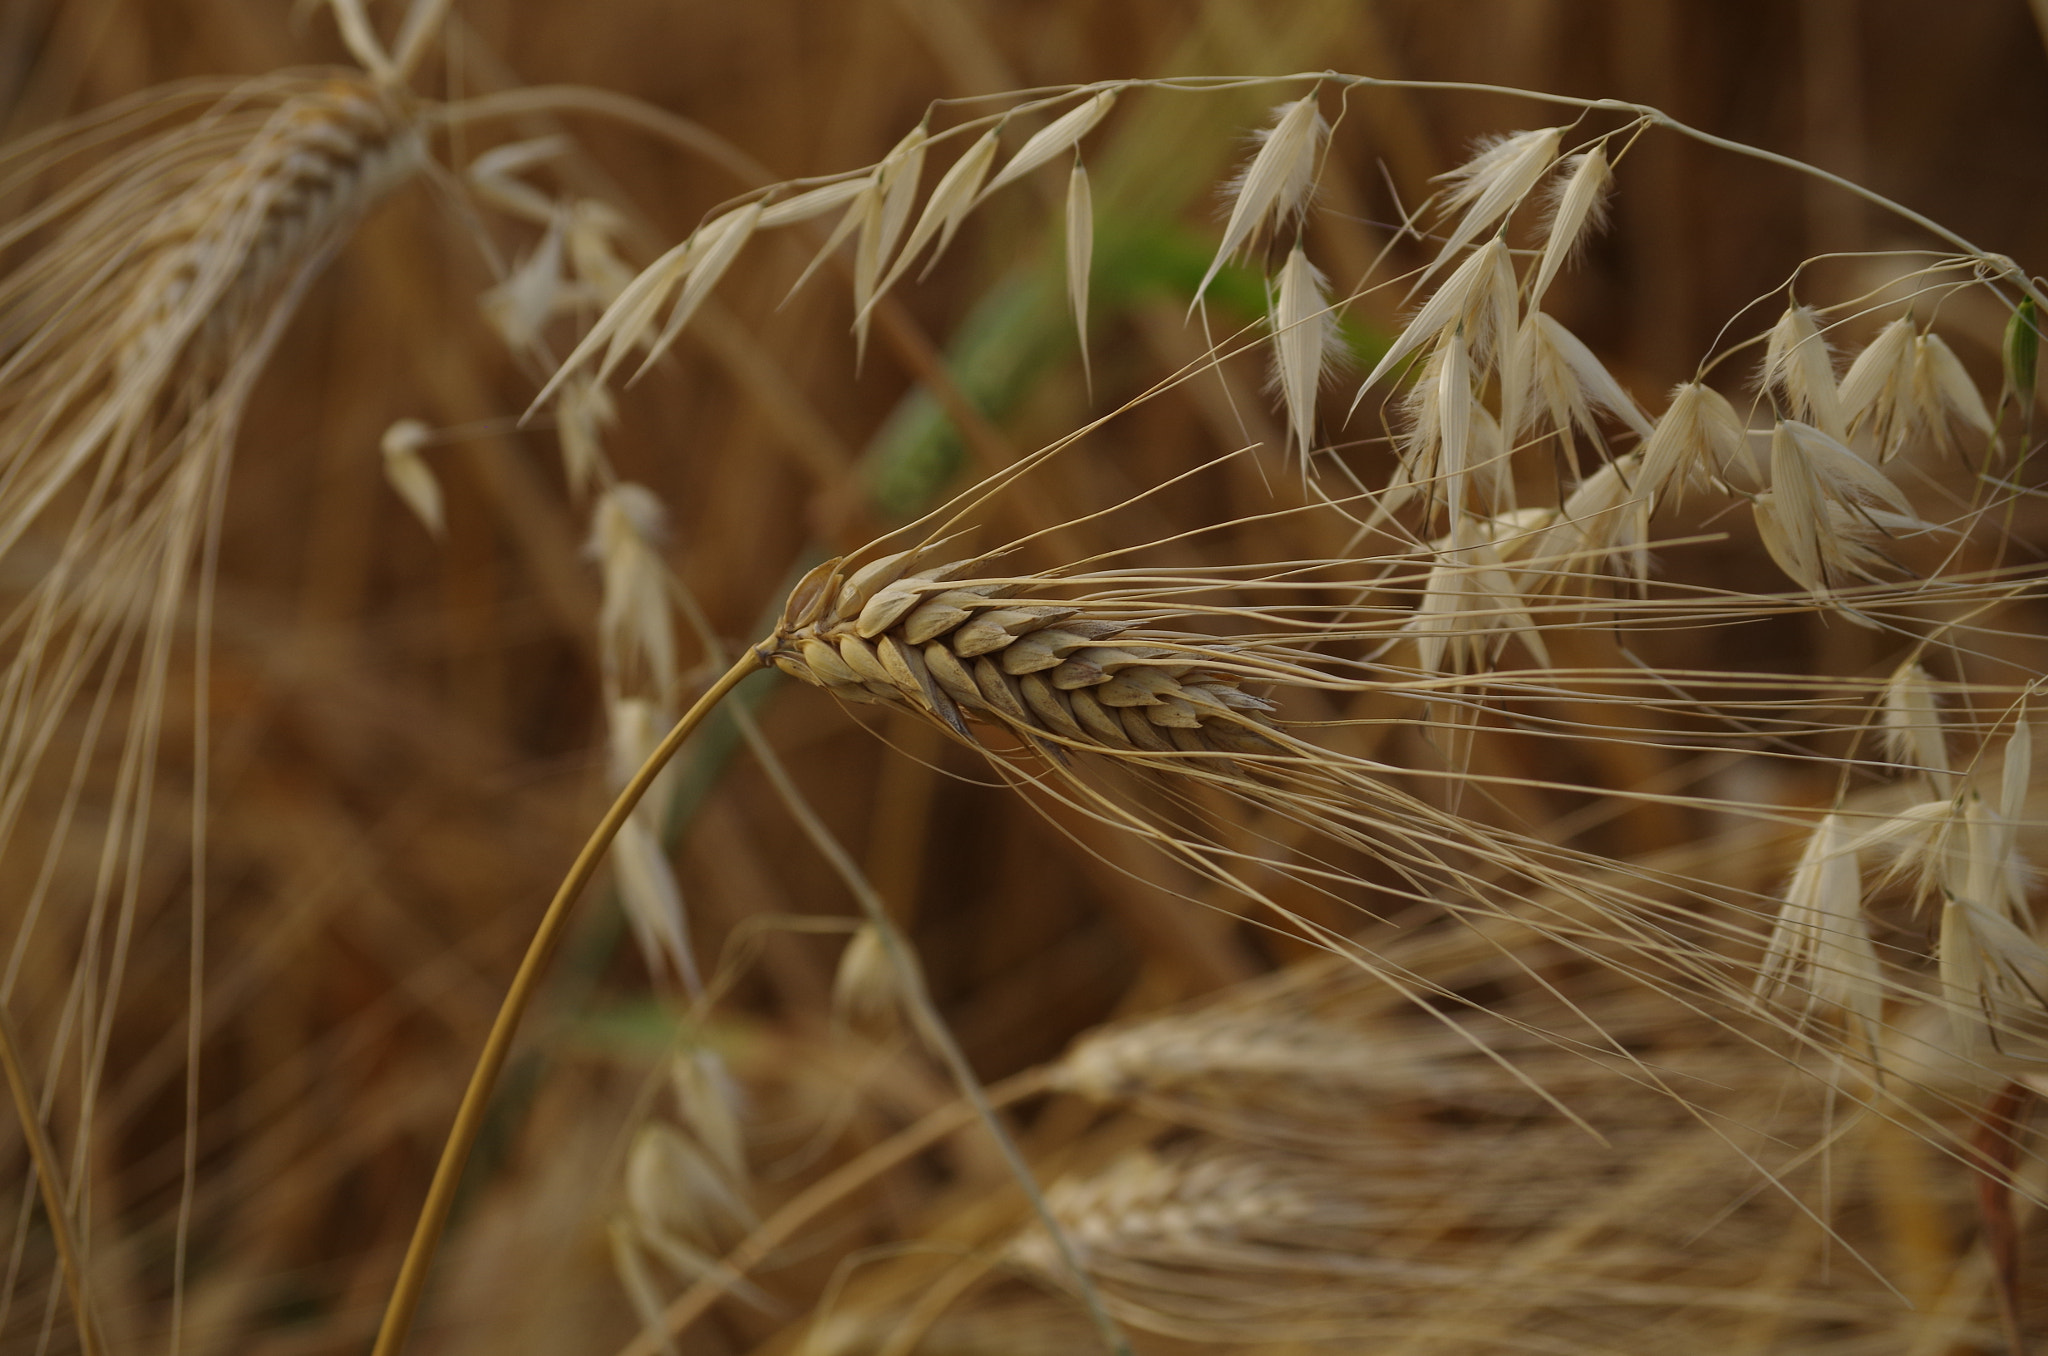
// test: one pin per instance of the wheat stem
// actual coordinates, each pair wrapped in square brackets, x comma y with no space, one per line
[47,1179]
[419,1254]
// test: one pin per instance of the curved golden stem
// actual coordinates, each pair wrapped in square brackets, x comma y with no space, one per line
[554,925]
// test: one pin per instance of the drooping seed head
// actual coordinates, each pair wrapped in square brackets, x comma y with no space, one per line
[971,652]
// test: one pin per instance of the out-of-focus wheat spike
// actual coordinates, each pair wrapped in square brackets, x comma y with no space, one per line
[1493,183]
[1581,208]
[1275,184]
[1053,140]
[409,473]
[1080,260]
[359,35]
[1304,341]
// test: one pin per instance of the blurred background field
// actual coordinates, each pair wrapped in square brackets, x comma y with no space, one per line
[408,735]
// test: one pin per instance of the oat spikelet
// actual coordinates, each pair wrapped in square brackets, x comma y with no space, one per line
[1491,184]
[635,627]
[711,251]
[1876,391]
[409,474]
[1943,392]
[1696,439]
[1912,726]
[649,892]
[943,212]
[1478,297]
[1080,259]
[1821,932]
[1606,519]
[1552,370]
[1304,341]
[1469,608]
[583,412]
[495,176]
[1055,139]
[1275,184]
[1800,369]
[1581,208]
[883,213]
[813,203]
[865,993]
[520,307]
[1824,506]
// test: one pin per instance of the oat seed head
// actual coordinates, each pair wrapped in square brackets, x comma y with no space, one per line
[635,626]
[1492,184]
[1698,437]
[1275,184]
[1305,341]
[1080,259]
[1821,932]
[410,476]
[1944,394]
[1799,369]
[1054,140]
[1912,726]
[1580,209]
[1478,298]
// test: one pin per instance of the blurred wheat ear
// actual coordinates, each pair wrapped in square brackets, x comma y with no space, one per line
[150,287]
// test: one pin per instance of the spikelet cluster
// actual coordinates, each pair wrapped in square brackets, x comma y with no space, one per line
[963,649]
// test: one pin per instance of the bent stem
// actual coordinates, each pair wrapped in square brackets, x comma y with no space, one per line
[554,924]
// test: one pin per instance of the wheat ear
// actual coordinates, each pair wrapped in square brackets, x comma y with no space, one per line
[960,648]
